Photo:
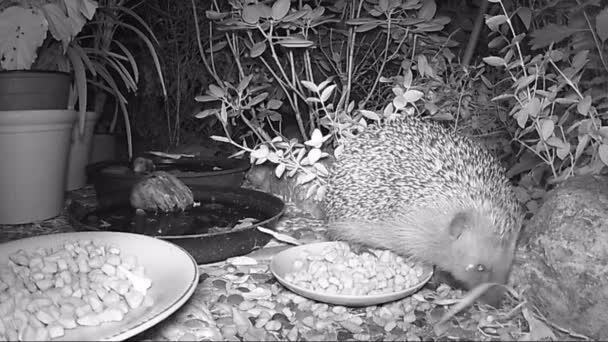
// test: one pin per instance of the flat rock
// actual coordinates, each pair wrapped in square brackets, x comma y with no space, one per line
[562,260]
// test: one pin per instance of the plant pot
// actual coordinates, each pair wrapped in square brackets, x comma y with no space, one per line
[34,145]
[32,90]
[116,176]
[80,153]
[103,147]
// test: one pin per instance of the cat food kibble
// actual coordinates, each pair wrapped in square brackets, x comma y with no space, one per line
[43,292]
[337,270]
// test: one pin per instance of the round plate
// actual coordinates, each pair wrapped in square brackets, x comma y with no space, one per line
[283,263]
[173,272]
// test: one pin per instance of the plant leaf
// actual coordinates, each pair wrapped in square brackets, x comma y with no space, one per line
[257,49]
[310,85]
[205,98]
[22,32]
[584,105]
[58,24]
[316,139]
[295,43]
[546,128]
[216,91]
[280,8]
[428,10]
[305,178]
[494,61]
[367,27]
[601,24]
[533,107]
[525,15]
[603,153]
[274,104]
[244,83]
[583,141]
[259,98]
[251,14]
[327,93]
[370,114]
[205,113]
[412,95]
[495,21]
[314,155]
[278,171]
[80,81]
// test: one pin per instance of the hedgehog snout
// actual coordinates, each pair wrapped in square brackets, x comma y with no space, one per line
[495,270]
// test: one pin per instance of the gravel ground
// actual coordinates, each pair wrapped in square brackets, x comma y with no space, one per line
[244,302]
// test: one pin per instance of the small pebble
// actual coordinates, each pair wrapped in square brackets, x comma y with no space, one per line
[195,324]
[228,331]
[362,337]
[267,304]
[261,277]
[220,284]
[390,326]
[279,317]
[246,305]
[273,325]
[235,299]
[352,327]
[344,335]
[309,321]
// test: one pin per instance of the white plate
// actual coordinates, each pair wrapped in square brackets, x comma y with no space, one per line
[173,272]
[283,263]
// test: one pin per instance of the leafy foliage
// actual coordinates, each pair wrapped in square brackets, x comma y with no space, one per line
[323,64]
[560,117]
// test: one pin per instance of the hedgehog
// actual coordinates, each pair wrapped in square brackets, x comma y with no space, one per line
[419,189]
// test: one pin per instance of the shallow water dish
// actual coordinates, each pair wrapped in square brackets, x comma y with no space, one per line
[173,272]
[283,263]
[111,177]
[207,231]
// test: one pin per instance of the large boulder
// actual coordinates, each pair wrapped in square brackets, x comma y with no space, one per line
[562,260]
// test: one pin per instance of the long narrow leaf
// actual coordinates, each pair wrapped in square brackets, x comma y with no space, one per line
[141,21]
[152,53]
[130,57]
[124,74]
[103,72]
[80,78]
[110,81]
[87,61]
[125,114]
[104,53]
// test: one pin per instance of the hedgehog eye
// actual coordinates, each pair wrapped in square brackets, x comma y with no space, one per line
[477,267]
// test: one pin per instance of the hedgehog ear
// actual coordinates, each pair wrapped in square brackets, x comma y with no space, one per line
[459,224]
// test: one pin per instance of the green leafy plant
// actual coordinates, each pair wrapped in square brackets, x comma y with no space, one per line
[86,40]
[558,120]
[25,43]
[107,50]
[321,64]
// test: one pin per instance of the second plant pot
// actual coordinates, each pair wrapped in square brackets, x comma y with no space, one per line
[80,153]
[110,177]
